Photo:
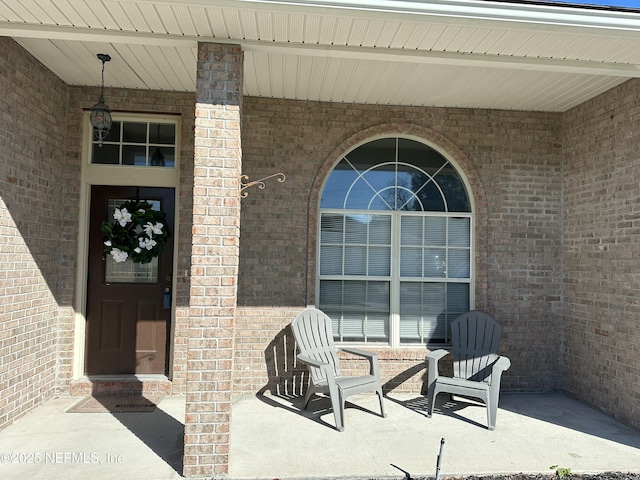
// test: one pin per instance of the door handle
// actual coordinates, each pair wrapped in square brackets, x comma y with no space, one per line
[166,300]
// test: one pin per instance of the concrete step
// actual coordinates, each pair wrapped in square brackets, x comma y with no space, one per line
[104,385]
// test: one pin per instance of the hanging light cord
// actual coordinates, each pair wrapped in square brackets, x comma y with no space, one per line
[104,58]
[102,82]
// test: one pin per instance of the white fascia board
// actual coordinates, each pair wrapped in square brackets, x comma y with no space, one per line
[489,13]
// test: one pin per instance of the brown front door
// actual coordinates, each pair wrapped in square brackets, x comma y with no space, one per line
[127,317]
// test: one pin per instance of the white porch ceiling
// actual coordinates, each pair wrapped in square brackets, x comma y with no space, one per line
[478,54]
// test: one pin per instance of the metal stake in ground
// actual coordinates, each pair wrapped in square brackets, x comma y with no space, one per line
[439,459]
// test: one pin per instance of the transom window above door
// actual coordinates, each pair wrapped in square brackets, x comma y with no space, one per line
[395,249]
[137,143]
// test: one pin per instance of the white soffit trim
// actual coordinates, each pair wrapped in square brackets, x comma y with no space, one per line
[337,51]
[334,51]
[473,11]
[449,58]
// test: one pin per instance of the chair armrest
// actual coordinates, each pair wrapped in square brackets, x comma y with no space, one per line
[326,368]
[436,355]
[432,364]
[357,351]
[502,364]
[499,366]
[310,361]
[372,357]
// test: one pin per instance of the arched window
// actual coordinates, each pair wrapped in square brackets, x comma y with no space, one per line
[395,251]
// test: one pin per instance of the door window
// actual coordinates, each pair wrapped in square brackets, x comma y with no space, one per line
[129,272]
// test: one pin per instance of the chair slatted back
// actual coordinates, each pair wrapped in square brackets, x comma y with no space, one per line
[312,331]
[476,339]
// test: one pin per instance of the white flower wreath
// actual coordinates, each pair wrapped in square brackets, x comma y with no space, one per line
[138,233]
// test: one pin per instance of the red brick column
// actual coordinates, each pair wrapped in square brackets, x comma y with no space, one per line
[214,270]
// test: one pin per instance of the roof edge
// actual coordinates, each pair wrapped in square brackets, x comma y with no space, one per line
[522,11]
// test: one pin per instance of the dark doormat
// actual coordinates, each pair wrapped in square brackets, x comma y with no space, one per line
[113,404]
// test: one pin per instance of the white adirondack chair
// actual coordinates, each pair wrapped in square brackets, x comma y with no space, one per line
[477,367]
[312,332]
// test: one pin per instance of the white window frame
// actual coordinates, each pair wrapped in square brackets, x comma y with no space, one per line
[394,278]
[115,174]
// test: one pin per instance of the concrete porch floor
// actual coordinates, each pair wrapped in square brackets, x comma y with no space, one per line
[271,438]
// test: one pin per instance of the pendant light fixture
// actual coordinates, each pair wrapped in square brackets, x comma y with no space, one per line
[100,113]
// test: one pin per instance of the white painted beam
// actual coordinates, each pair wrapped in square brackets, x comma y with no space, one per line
[83,34]
[448,58]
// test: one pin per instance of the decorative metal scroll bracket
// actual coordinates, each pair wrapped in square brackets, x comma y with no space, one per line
[259,183]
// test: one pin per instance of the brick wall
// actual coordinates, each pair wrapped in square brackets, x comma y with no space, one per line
[513,162]
[32,224]
[602,251]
